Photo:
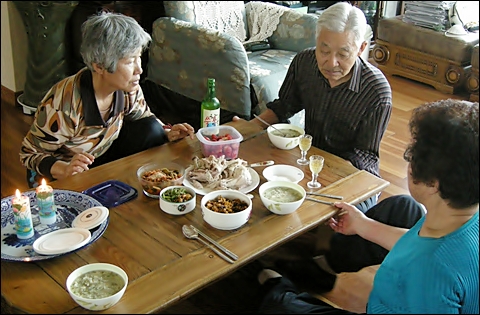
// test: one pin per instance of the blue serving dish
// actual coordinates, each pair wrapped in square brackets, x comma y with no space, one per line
[112,193]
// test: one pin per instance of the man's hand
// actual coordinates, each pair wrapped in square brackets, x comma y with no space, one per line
[180,131]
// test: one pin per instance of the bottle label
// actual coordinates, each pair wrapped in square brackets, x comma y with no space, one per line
[210,118]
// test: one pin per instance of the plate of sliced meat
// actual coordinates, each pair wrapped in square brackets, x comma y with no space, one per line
[211,173]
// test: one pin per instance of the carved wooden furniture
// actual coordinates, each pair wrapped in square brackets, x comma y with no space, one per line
[423,54]
[472,78]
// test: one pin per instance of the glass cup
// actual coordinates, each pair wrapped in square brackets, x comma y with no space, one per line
[305,142]
[316,165]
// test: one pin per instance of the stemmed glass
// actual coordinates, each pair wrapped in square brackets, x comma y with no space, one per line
[305,142]
[316,165]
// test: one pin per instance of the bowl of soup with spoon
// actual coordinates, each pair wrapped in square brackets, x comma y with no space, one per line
[285,136]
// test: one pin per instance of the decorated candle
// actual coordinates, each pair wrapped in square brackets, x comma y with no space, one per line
[46,205]
[22,215]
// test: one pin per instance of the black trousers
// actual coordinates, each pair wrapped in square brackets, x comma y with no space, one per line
[135,136]
[282,297]
[347,254]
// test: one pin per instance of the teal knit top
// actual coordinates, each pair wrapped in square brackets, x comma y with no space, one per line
[423,275]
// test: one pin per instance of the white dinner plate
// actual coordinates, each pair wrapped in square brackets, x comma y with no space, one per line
[61,241]
[204,191]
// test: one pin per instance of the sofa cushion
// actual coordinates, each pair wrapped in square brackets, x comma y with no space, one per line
[268,69]
[397,32]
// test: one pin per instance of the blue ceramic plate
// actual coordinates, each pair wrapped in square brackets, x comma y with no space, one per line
[112,193]
[69,204]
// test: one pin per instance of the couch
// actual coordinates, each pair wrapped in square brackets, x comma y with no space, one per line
[199,39]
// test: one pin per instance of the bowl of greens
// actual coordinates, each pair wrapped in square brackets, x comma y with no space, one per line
[177,200]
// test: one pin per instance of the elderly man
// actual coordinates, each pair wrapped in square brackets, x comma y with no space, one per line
[347,103]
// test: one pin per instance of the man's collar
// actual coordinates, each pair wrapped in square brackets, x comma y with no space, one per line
[356,76]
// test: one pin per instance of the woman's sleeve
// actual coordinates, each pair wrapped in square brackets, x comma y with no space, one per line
[51,128]
[135,105]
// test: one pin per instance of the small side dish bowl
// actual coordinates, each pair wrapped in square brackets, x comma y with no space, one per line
[107,284]
[153,177]
[283,172]
[233,199]
[285,142]
[282,197]
[177,200]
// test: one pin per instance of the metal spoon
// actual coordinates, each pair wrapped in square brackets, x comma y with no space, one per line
[266,123]
[263,163]
[192,234]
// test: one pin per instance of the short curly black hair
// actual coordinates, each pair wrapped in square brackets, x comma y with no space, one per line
[444,148]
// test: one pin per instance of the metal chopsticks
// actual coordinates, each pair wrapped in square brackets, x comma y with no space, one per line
[320,201]
[226,251]
[325,195]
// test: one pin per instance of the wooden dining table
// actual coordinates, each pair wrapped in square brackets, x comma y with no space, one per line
[163,266]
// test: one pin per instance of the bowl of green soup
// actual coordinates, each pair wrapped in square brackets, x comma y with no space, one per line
[285,136]
[281,197]
[97,286]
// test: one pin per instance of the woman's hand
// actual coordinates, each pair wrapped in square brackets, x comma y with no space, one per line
[348,219]
[180,131]
[78,164]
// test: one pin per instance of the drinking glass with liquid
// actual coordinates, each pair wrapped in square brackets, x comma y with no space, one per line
[304,143]
[316,165]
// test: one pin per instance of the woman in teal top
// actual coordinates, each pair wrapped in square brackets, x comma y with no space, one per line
[432,267]
[442,271]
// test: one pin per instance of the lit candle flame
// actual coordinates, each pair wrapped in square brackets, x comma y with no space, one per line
[17,194]
[44,183]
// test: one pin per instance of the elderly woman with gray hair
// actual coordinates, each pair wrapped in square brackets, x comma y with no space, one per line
[98,114]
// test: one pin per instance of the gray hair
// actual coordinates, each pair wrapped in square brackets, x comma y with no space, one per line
[109,37]
[344,17]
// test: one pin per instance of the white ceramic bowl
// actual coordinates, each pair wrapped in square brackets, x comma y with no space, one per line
[282,142]
[283,172]
[226,221]
[102,303]
[177,208]
[281,207]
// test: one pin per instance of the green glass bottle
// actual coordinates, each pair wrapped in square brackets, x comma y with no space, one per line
[210,111]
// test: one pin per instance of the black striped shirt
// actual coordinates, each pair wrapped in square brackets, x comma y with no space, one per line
[348,120]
